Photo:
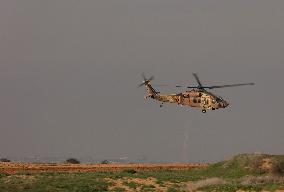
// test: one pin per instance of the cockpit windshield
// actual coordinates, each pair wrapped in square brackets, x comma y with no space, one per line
[219,99]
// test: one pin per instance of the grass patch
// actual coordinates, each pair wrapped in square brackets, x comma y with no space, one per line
[236,187]
[273,187]
[53,182]
[131,184]
[147,188]
[174,176]
[230,188]
[2,175]
[172,189]
[117,189]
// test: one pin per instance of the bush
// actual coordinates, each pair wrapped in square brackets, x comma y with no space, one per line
[105,162]
[130,171]
[4,160]
[72,161]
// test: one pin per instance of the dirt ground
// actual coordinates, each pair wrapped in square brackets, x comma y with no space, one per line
[60,167]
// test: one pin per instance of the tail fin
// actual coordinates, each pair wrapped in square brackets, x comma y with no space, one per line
[150,90]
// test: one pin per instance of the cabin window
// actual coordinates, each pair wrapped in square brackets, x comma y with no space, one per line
[194,100]
[199,101]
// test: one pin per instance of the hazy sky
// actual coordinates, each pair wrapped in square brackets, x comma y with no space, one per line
[69,72]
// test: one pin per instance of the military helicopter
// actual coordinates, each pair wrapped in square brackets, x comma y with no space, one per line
[197,97]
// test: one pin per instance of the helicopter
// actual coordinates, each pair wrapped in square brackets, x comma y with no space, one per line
[197,96]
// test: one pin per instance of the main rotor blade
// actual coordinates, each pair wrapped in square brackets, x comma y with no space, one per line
[190,87]
[197,79]
[140,85]
[143,76]
[193,87]
[214,87]
[223,86]
[151,78]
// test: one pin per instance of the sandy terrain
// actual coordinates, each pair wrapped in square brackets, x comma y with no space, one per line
[50,167]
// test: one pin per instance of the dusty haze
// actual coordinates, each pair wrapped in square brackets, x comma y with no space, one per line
[69,72]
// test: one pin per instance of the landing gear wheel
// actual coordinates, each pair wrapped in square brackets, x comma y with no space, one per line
[203,111]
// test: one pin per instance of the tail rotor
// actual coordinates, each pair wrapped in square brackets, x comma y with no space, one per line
[145,80]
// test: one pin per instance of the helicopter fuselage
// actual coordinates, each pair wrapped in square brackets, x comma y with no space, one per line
[197,96]
[193,98]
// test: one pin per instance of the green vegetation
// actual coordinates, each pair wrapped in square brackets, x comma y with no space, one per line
[53,182]
[147,187]
[118,189]
[171,189]
[131,185]
[242,165]
[277,167]
[2,175]
[235,187]
[130,171]
[230,188]
[243,172]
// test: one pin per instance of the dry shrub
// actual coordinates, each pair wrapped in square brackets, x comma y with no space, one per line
[278,167]
[5,160]
[72,161]
[105,162]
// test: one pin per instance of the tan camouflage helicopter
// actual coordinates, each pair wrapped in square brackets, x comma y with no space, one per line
[198,96]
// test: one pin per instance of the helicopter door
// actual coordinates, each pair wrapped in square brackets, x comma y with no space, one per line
[205,102]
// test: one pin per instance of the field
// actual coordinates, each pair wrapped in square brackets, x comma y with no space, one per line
[241,173]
